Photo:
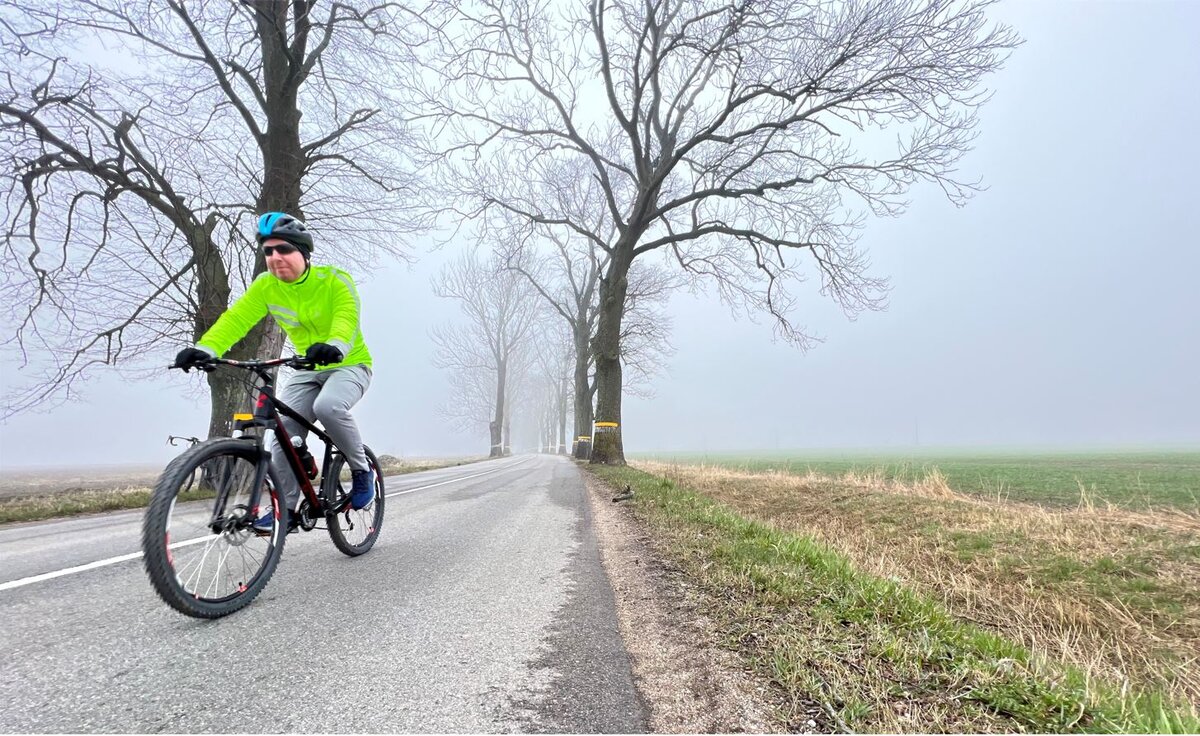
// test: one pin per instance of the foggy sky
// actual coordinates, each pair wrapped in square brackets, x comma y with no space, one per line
[1059,308]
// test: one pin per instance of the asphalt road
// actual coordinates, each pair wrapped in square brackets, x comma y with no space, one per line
[482,608]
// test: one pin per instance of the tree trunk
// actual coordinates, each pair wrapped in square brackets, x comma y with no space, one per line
[283,169]
[562,418]
[283,155]
[228,394]
[212,299]
[497,424]
[607,447]
[284,159]
[583,392]
[228,397]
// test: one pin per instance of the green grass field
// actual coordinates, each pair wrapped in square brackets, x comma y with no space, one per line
[1134,480]
[858,597]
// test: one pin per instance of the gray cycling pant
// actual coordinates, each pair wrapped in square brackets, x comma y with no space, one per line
[325,396]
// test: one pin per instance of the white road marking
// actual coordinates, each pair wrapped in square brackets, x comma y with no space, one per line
[136,555]
[68,571]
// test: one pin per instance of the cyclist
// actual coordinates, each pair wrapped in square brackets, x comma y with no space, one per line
[318,308]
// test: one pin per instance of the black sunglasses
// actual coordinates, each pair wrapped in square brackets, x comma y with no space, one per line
[283,250]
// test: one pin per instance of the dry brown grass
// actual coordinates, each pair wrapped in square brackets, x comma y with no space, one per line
[71,502]
[43,481]
[1109,590]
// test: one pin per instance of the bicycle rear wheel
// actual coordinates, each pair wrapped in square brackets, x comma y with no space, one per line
[201,550]
[353,532]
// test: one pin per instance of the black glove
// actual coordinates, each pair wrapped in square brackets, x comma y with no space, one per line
[322,353]
[189,358]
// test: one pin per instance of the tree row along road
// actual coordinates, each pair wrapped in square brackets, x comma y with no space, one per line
[482,608]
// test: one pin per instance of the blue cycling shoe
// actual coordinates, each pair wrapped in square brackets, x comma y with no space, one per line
[362,493]
[265,523]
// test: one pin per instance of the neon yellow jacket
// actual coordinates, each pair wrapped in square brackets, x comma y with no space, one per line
[320,306]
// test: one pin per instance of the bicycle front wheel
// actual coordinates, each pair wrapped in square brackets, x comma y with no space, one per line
[210,545]
[353,532]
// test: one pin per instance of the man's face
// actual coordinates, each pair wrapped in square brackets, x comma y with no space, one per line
[283,266]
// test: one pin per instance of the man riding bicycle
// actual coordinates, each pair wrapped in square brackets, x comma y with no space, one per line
[318,308]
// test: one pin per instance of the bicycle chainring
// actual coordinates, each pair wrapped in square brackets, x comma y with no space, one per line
[305,518]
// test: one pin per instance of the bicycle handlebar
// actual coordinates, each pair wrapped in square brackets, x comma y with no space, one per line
[295,361]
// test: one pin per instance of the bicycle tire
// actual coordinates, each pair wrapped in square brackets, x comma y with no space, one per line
[341,526]
[160,553]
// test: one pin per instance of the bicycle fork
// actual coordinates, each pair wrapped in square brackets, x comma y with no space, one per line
[221,521]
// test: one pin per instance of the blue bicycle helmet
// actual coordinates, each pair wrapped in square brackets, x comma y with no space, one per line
[282,225]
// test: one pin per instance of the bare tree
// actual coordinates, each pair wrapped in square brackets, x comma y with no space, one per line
[554,358]
[566,279]
[487,354]
[146,174]
[523,380]
[566,274]
[736,137]
[565,270]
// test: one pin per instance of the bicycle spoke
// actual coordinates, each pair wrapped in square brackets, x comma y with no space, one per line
[200,567]
[249,563]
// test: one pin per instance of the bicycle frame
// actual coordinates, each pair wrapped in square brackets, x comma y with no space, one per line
[268,415]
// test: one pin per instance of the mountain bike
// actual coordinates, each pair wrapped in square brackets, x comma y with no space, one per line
[209,549]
